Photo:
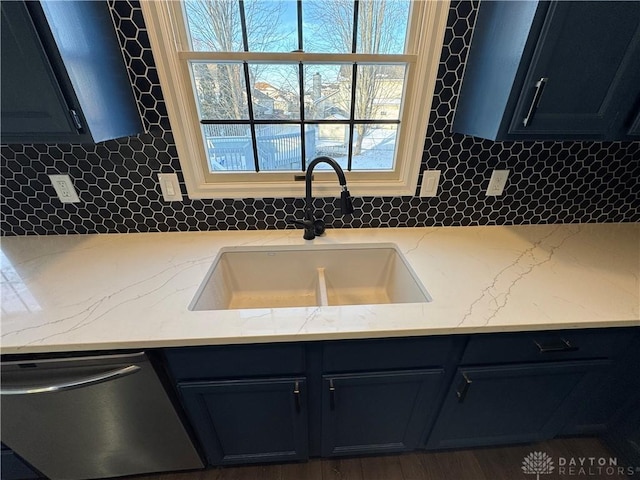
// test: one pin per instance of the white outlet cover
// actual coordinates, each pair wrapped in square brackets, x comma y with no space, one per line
[170,187]
[430,181]
[64,188]
[497,182]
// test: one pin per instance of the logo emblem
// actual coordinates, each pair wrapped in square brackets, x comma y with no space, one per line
[537,463]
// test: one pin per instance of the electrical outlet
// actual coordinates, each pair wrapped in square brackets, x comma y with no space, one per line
[64,188]
[430,180]
[497,182]
[170,187]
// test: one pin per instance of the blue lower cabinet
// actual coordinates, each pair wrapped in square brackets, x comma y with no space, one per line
[503,404]
[377,412]
[286,402]
[249,421]
[624,435]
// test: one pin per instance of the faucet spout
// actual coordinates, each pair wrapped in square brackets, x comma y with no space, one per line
[346,206]
[313,226]
[329,161]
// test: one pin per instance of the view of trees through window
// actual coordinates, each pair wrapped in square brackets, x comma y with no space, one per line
[266,115]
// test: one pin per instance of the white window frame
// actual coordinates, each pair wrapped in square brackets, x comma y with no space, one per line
[168,38]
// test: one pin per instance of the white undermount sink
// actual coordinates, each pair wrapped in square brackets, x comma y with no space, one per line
[301,276]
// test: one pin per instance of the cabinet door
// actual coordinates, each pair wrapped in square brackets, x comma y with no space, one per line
[495,405]
[634,129]
[585,71]
[32,102]
[248,421]
[377,412]
[13,467]
[623,435]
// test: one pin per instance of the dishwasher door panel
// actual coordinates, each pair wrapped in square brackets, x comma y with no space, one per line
[110,417]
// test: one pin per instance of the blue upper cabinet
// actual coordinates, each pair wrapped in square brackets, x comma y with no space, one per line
[635,127]
[63,75]
[552,71]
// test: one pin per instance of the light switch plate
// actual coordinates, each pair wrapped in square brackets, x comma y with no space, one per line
[64,188]
[497,182]
[430,180]
[170,187]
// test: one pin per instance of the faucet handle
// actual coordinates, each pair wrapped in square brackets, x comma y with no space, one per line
[301,223]
[312,228]
[318,227]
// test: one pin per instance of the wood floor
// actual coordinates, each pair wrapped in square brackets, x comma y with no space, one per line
[477,464]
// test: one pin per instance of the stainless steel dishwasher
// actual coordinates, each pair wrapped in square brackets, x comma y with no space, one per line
[92,417]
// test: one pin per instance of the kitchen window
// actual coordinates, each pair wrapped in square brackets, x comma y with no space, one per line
[255,89]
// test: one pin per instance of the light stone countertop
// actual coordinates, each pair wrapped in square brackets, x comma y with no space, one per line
[121,291]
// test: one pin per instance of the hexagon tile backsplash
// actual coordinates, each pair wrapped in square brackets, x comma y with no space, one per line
[550,182]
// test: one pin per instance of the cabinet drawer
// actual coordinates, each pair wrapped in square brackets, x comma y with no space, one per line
[545,346]
[235,361]
[362,355]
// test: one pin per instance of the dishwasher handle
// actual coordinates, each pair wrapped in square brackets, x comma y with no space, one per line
[70,385]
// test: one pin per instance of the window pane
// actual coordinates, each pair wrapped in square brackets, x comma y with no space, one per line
[327,26]
[220,91]
[382,26]
[374,147]
[327,91]
[272,25]
[214,25]
[379,92]
[228,147]
[276,91]
[331,140]
[279,147]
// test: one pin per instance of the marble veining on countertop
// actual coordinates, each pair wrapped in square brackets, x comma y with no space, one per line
[93,292]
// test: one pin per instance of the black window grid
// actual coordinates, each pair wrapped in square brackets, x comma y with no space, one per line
[252,121]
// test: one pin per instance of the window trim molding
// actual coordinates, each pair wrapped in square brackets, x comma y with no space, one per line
[430,19]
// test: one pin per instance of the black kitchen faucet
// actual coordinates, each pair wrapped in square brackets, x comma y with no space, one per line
[316,226]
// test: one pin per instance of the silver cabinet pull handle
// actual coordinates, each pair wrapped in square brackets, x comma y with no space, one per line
[296,393]
[332,395]
[461,394]
[534,103]
[79,383]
